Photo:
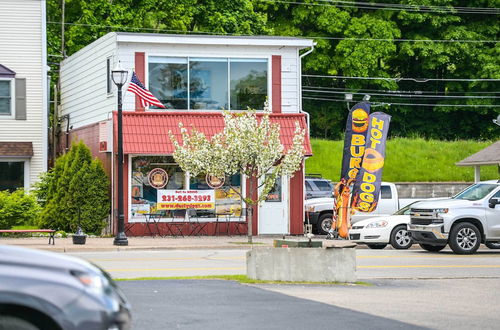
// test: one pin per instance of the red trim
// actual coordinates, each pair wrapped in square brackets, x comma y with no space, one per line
[297,202]
[140,71]
[276,83]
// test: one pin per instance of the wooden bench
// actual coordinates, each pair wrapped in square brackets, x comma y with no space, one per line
[52,232]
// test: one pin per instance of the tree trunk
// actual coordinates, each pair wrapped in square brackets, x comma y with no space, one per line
[250,211]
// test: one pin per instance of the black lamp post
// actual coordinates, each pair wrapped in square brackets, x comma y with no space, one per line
[119,76]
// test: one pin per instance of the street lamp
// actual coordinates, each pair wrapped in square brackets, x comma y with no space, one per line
[119,76]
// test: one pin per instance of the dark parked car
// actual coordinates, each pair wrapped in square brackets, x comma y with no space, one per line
[317,187]
[50,291]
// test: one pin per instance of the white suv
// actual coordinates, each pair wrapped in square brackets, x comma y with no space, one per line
[464,221]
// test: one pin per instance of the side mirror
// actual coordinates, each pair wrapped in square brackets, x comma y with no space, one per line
[493,202]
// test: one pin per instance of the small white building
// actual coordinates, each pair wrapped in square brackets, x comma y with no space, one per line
[195,77]
[23,93]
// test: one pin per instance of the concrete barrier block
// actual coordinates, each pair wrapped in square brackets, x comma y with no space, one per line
[302,264]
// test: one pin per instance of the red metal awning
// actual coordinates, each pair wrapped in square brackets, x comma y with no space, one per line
[147,132]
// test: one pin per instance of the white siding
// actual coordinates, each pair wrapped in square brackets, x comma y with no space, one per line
[22,49]
[83,83]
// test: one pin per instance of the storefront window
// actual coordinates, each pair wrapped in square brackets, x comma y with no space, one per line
[11,175]
[248,83]
[168,77]
[214,83]
[208,83]
[147,177]
[227,200]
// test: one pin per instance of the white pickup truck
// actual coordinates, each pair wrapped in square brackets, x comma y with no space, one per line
[319,211]
[464,221]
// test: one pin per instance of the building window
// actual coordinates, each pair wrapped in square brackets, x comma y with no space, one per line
[168,80]
[214,83]
[6,97]
[248,83]
[109,82]
[208,83]
[143,195]
[227,198]
[11,175]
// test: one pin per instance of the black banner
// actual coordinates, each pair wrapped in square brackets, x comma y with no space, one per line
[354,141]
[366,189]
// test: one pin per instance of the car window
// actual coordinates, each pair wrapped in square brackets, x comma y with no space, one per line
[323,185]
[476,192]
[385,192]
[308,186]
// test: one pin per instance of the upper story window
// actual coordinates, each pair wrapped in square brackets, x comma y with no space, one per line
[5,97]
[208,83]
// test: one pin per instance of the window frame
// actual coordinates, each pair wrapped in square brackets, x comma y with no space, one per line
[109,80]
[26,162]
[268,58]
[187,178]
[12,113]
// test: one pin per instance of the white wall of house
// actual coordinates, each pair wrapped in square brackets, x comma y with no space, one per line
[84,83]
[23,50]
[83,75]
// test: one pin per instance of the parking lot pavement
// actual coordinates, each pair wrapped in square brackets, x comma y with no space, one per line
[456,304]
[215,305]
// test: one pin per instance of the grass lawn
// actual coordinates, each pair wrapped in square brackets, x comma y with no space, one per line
[408,160]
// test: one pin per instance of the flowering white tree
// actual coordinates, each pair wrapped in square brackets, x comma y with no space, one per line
[248,145]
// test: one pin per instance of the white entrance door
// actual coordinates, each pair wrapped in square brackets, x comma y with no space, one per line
[273,213]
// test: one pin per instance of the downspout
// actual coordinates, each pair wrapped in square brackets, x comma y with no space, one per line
[299,65]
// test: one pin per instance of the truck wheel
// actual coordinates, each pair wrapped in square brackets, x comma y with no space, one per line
[432,248]
[376,246]
[325,223]
[15,323]
[493,245]
[465,238]
[400,238]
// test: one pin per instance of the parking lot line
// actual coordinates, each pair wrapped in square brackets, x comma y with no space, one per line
[429,266]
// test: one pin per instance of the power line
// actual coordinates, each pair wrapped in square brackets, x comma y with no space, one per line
[118,27]
[412,104]
[416,92]
[409,95]
[394,7]
[419,80]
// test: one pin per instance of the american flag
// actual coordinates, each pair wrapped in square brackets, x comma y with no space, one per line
[144,95]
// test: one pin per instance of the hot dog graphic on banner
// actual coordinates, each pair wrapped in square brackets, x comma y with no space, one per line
[366,189]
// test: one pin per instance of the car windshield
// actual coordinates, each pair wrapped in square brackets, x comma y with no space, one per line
[476,192]
[405,210]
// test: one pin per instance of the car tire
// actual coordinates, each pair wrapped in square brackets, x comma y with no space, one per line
[465,238]
[400,238]
[325,223]
[376,246]
[15,323]
[432,248]
[492,245]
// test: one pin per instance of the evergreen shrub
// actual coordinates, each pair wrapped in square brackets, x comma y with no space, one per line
[17,208]
[75,192]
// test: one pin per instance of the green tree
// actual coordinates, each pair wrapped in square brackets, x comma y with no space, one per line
[17,208]
[248,146]
[76,192]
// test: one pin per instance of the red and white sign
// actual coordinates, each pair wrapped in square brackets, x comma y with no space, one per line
[186,199]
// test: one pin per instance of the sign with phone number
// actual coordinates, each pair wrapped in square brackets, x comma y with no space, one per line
[186,199]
